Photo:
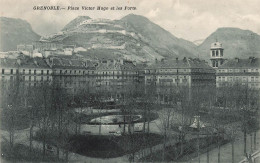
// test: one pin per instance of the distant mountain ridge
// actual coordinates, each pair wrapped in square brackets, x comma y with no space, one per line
[133,37]
[236,43]
[14,32]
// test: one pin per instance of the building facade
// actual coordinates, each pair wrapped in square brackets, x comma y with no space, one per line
[115,75]
[170,75]
[243,71]
[29,71]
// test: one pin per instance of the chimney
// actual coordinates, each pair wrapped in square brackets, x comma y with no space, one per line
[251,59]
[237,60]
[35,62]
[19,61]
[162,60]
[51,61]
[121,61]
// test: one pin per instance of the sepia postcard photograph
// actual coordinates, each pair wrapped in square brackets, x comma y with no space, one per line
[118,81]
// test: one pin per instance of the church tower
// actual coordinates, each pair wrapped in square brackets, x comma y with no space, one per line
[216,54]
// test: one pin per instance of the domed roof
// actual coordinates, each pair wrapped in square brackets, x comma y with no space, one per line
[216,45]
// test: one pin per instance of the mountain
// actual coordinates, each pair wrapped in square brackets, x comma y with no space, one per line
[198,42]
[157,37]
[236,43]
[132,37]
[74,22]
[14,32]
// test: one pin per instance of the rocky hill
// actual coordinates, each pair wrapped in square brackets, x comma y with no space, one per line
[14,32]
[133,37]
[236,43]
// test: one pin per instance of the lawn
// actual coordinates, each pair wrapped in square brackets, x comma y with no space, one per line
[106,146]
[112,146]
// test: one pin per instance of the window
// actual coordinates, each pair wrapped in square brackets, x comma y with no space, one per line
[17,71]
[60,71]
[11,71]
[34,78]
[213,53]
[11,78]
[47,72]
[23,78]
[3,71]
[29,71]
[252,78]
[34,72]
[216,53]
[29,78]
[42,72]
[23,71]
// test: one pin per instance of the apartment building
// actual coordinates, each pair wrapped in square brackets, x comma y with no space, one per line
[243,71]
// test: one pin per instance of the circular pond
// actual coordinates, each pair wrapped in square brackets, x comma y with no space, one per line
[112,119]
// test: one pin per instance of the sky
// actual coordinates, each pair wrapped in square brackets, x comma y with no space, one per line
[188,19]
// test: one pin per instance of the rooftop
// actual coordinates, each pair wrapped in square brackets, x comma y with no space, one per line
[180,63]
[251,62]
[216,45]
